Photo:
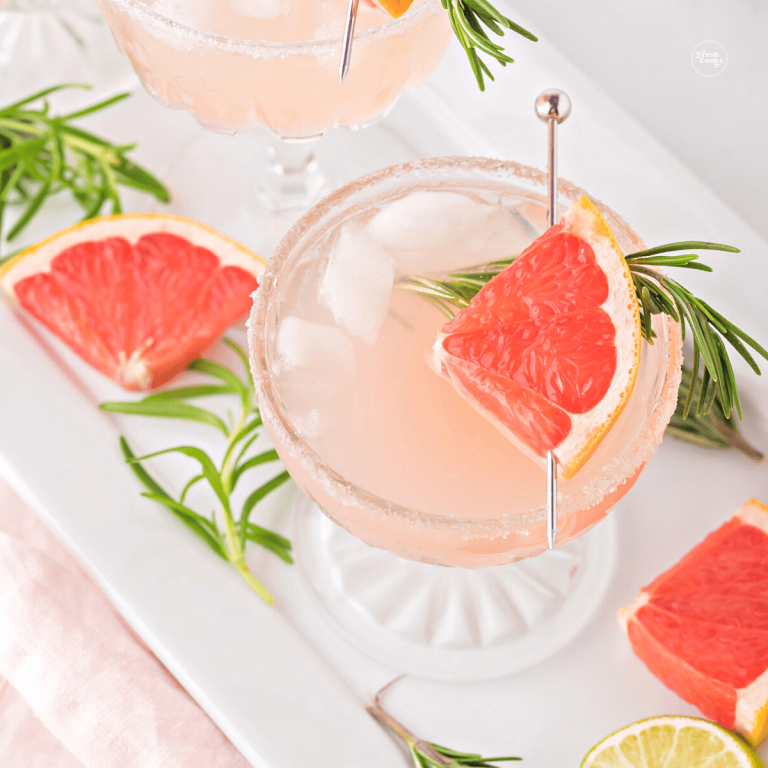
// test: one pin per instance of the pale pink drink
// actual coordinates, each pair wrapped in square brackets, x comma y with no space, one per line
[365,426]
[237,64]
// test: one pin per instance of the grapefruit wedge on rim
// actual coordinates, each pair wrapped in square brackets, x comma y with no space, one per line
[549,349]
[394,8]
[702,626]
[137,296]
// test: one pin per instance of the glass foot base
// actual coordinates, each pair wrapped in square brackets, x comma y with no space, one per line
[448,623]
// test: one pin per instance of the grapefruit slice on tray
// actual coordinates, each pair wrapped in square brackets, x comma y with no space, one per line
[549,349]
[702,627]
[138,296]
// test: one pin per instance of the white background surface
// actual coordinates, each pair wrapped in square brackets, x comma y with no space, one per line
[551,714]
[639,52]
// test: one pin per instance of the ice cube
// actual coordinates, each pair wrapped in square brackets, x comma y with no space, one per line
[327,351]
[258,9]
[357,285]
[442,231]
[316,363]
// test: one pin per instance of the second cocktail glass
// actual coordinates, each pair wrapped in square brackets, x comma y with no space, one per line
[236,66]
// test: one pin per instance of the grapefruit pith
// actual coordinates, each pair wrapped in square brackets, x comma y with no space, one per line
[549,349]
[702,627]
[137,296]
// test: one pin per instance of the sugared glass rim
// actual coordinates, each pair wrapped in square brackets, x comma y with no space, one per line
[156,23]
[618,471]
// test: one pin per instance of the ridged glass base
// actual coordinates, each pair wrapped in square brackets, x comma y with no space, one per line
[448,623]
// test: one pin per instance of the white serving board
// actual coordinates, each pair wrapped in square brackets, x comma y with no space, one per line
[280,682]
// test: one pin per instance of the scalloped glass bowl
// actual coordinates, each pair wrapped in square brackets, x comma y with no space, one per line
[427,535]
[230,85]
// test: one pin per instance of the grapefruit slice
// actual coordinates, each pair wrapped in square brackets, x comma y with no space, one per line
[138,296]
[672,741]
[702,627]
[549,349]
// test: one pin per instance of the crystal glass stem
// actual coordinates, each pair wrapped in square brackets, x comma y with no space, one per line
[293,179]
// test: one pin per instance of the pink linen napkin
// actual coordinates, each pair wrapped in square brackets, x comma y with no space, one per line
[80,691]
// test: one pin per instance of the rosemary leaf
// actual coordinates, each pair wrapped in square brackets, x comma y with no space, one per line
[144,477]
[425,754]
[184,393]
[255,461]
[711,430]
[228,541]
[257,496]
[45,155]
[166,409]
[467,18]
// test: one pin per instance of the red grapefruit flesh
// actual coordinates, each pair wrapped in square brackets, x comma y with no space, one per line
[138,296]
[702,627]
[549,349]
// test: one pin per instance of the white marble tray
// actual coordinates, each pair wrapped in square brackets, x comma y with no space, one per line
[280,682]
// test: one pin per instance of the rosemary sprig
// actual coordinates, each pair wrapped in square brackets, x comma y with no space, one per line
[230,541]
[470,19]
[42,155]
[711,430]
[427,754]
[656,293]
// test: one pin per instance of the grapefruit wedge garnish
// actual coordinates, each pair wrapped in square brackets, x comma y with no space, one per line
[138,296]
[549,349]
[702,627]
[394,8]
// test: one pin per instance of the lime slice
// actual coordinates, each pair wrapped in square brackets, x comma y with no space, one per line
[672,742]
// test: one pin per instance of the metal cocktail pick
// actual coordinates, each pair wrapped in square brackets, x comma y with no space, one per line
[552,106]
[346,41]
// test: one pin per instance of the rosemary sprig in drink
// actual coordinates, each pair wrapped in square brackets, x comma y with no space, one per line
[427,754]
[42,155]
[240,435]
[468,19]
[656,294]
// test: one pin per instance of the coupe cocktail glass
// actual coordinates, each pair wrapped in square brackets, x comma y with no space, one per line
[235,65]
[389,451]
